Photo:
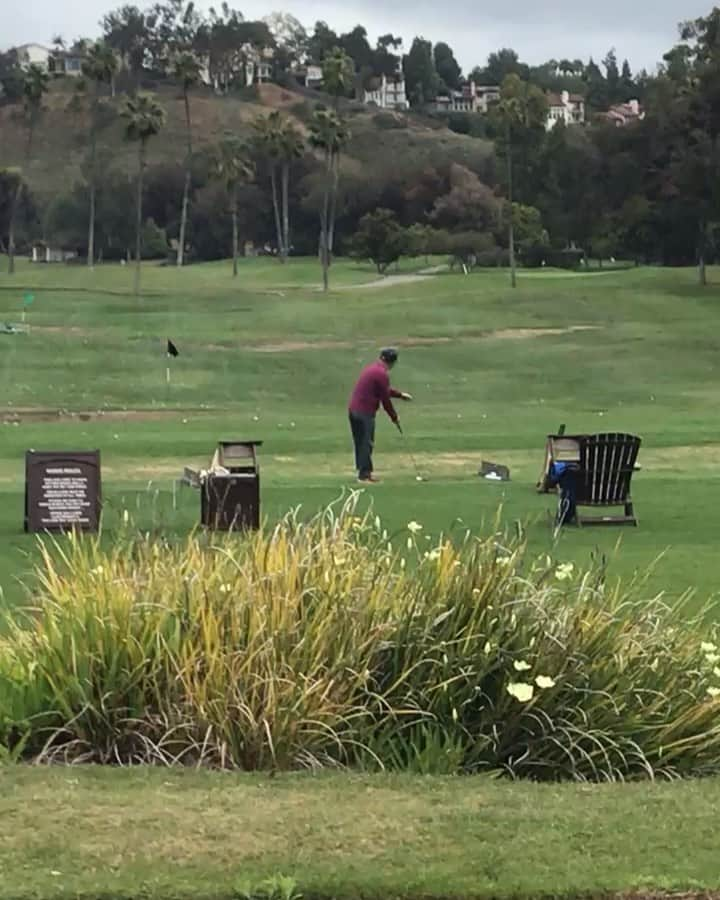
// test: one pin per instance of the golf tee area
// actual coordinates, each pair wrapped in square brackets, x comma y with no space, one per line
[398,593]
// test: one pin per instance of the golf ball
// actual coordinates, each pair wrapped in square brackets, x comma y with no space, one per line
[419,478]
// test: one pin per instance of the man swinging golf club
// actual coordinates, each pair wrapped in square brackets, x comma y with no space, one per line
[372,389]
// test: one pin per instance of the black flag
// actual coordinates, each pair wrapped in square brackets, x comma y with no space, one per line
[172,350]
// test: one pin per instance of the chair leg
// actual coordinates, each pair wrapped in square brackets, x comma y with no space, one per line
[630,512]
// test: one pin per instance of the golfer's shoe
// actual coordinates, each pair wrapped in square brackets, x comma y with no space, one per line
[371,479]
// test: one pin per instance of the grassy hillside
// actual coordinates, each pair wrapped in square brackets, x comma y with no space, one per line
[61,137]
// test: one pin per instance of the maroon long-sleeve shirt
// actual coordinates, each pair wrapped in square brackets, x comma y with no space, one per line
[372,389]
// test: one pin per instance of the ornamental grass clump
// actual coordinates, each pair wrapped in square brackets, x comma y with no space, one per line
[330,643]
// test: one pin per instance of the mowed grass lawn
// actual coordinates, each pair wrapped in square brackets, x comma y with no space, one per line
[268,356]
[107,833]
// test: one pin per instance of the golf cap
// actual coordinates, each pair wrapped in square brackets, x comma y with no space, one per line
[389,355]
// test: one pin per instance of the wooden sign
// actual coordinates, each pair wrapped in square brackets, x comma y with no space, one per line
[62,491]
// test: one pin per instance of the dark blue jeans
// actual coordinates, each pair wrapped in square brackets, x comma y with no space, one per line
[363,433]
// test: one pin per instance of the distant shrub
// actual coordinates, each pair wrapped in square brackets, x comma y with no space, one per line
[495,257]
[389,121]
[538,255]
[331,642]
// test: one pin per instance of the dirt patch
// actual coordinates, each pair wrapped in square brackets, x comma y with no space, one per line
[386,282]
[73,330]
[297,346]
[520,334]
[32,415]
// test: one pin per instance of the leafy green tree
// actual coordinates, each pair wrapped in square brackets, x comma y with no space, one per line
[356,45]
[144,119]
[612,78]
[419,240]
[420,73]
[379,238]
[627,82]
[126,30]
[11,77]
[598,95]
[234,167]
[329,134]
[464,247]
[385,62]
[469,205]
[35,85]
[321,43]
[187,71]
[447,66]
[499,65]
[99,67]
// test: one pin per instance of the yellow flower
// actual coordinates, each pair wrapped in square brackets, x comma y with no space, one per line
[415,527]
[716,672]
[707,647]
[523,693]
[522,666]
[713,658]
[713,693]
[565,571]
[544,682]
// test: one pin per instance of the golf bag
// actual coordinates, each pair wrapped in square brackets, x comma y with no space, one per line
[563,475]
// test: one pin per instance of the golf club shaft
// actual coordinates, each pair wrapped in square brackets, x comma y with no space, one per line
[410,454]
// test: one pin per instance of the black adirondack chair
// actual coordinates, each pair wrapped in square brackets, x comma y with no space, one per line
[602,467]
[607,463]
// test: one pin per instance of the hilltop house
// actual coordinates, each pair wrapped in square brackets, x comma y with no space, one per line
[471,98]
[565,107]
[623,114]
[51,60]
[388,92]
[250,66]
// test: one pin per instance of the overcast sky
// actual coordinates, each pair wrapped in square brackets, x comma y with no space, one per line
[641,30]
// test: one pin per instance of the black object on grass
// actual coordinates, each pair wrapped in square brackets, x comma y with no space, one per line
[172,350]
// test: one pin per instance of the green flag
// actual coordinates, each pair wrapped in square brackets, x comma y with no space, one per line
[28,299]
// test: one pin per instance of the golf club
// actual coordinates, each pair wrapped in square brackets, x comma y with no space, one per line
[418,476]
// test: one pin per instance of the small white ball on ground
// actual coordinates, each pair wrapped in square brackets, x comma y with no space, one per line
[418,478]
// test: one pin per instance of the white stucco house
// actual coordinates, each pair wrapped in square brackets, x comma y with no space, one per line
[565,107]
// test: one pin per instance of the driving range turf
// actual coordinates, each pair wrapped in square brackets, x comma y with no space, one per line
[267,356]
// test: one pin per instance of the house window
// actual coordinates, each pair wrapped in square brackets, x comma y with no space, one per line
[72,65]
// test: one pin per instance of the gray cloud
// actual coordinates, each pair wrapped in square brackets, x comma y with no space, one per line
[641,31]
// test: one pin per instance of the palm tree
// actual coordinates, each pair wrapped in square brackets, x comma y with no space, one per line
[338,71]
[35,85]
[233,165]
[145,118]
[328,133]
[99,66]
[280,143]
[187,72]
